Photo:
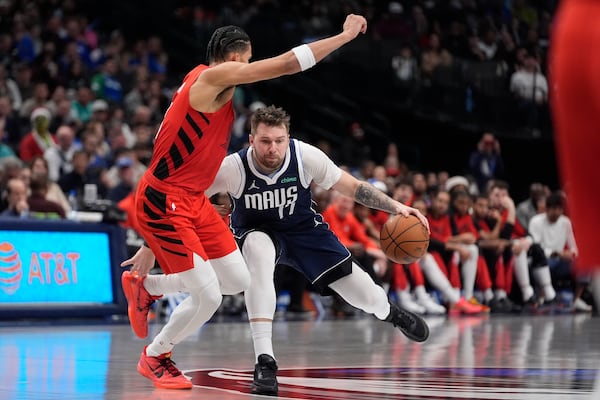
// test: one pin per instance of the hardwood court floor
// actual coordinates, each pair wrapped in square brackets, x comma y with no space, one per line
[490,357]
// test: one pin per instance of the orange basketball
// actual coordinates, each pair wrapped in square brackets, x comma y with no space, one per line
[404,239]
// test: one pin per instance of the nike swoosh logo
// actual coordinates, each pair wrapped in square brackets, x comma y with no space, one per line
[158,372]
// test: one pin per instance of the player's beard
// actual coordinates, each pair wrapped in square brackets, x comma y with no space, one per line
[270,162]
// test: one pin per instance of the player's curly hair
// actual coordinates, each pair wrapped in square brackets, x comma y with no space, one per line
[270,116]
[225,40]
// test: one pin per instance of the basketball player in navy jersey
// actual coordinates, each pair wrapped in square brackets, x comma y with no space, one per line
[274,221]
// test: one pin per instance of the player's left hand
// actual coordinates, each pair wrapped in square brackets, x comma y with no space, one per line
[141,262]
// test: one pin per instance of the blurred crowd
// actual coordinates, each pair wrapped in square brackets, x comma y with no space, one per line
[80,103]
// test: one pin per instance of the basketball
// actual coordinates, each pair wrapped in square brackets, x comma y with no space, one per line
[404,239]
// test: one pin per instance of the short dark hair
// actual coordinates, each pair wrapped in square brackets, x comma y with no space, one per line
[554,200]
[225,40]
[38,184]
[270,116]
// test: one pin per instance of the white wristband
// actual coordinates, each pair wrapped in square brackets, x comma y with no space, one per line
[305,56]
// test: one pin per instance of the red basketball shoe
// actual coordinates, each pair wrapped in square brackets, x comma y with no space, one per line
[162,372]
[138,302]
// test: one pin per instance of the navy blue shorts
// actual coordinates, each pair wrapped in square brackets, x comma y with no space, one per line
[316,253]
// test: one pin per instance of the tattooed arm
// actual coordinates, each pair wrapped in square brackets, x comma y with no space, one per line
[368,195]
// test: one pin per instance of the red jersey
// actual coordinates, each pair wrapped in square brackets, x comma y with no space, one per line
[464,224]
[378,218]
[348,229]
[519,231]
[481,224]
[440,227]
[190,145]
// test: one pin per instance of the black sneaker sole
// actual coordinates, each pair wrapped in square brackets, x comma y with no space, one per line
[264,390]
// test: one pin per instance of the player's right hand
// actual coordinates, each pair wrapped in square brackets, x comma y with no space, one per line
[142,261]
[354,25]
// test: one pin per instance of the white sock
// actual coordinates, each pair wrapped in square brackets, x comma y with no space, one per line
[420,292]
[261,337]
[469,271]
[500,294]
[522,275]
[437,279]
[456,292]
[488,295]
[159,284]
[544,279]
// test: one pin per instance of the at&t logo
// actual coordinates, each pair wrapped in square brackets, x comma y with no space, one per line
[11,268]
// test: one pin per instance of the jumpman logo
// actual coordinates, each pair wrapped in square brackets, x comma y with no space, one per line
[253,185]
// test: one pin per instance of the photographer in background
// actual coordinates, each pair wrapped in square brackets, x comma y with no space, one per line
[486,163]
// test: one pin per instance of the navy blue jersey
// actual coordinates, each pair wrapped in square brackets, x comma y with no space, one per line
[281,205]
[281,201]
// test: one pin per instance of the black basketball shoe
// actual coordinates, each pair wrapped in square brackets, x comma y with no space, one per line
[413,326]
[265,376]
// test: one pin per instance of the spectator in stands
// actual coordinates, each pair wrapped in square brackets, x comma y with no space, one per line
[406,74]
[92,141]
[534,204]
[16,198]
[23,78]
[62,115]
[5,149]
[81,107]
[127,181]
[9,123]
[10,167]
[39,139]
[60,157]
[455,254]
[106,84]
[486,162]
[433,57]
[39,167]
[419,185]
[39,99]
[39,206]
[404,192]
[355,149]
[10,89]
[75,180]
[528,257]
[553,231]
[530,88]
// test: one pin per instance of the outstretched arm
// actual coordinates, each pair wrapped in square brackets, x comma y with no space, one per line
[235,73]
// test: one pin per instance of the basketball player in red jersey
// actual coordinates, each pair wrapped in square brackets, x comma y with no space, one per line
[575,104]
[192,244]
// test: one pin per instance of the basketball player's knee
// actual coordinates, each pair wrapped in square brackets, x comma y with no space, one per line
[236,282]
[208,297]
[259,253]
[257,244]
